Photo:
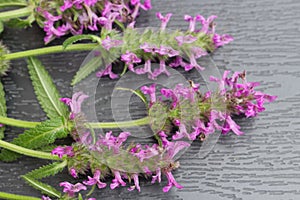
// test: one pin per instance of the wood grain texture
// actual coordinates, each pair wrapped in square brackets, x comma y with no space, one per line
[262,164]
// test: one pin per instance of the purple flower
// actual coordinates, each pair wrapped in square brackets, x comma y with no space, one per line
[45,198]
[192,21]
[151,92]
[169,51]
[67,4]
[221,40]
[207,24]
[171,182]
[117,181]
[61,151]
[1,125]
[71,189]
[73,173]
[157,177]
[147,153]
[113,142]
[74,103]
[177,62]
[95,180]
[183,133]
[108,43]
[196,52]
[161,69]
[185,39]
[107,71]
[130,58]
[146,69]
[149,48]
[136,183]
[164,20]
[174,147]
[231,125]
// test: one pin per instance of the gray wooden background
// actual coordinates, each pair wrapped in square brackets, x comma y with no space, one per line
[262,164]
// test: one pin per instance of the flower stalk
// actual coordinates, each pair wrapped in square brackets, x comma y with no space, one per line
[4,195]
[21,12]
[27,152]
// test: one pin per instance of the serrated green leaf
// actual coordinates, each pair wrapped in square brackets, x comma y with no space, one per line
[9,3]
[77,38]
[45,90]
[44,188]
[43,134]
[2,108]
[47,170]
[87,69]
[137,93]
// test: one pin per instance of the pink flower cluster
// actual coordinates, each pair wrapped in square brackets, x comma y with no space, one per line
[79,15]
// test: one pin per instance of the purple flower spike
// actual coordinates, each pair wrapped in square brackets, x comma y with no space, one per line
[151,92]
[74,103]
[71,189]
[171,182]
[108,43]
[164,20]
[95,180]
[107,71]
[117,181]
[61,151]
[185,39]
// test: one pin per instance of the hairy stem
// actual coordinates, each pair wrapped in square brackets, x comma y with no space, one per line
[21,12]
[4,195]
[29,124]
[27,152]
[49,50]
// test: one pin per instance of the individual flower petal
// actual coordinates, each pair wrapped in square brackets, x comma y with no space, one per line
[171,182]
[95,180]
[164,19]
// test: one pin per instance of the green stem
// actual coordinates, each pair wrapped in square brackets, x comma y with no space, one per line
[49,50]
[17,123]
[29,124]
[27,152]
[21,12]
[4,195]
[124,124]
[11,4]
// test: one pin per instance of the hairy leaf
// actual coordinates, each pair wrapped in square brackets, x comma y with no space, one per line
[9,3]
[77,38]
[44,188]
[47,170]
[2,108]
[45,90]
[43,134]
[87,69]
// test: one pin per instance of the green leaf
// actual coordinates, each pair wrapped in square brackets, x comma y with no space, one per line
[9,3]
[44,188]
[47,170]
[137,93]
[43,134]
[77,38]
[45,90]
[2,108]
[87,69]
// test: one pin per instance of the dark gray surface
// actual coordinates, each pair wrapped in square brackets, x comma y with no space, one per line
[262,164]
